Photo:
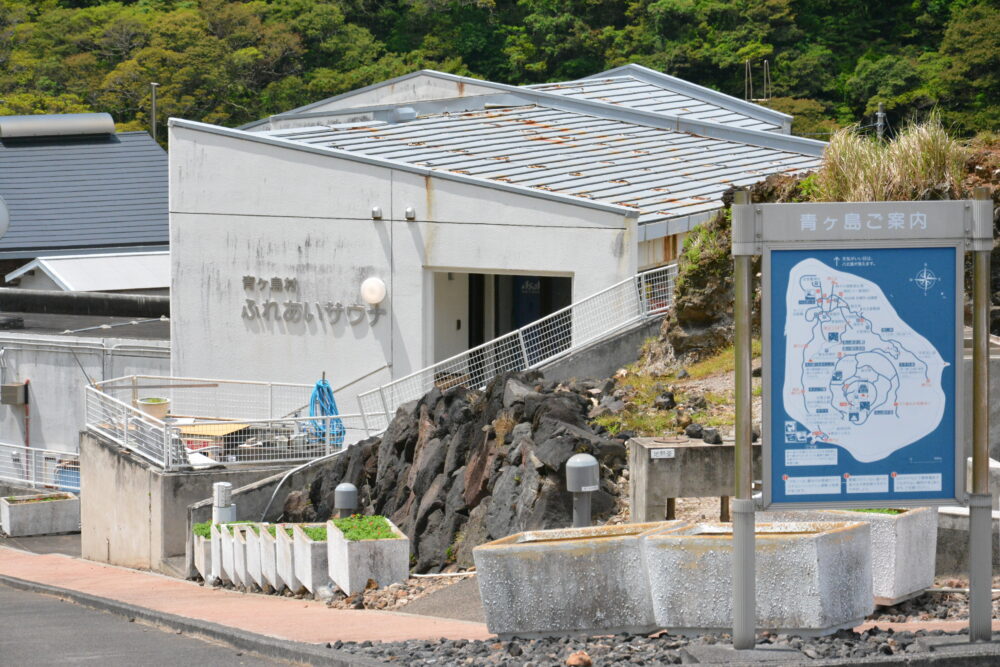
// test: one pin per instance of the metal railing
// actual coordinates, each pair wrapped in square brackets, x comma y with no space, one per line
[35,468]
[212,422]
[564,331]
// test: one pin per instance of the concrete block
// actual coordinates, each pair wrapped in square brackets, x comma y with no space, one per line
[953,541]
[268,559]
[904,547]
[352,564]
[661,469]
[203,556]
[252,536]
[812,578]
[240,577]
[568,581]
[285,557]
[310,558]
[21,516]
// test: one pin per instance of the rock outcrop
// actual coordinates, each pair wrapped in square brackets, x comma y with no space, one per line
[460,467]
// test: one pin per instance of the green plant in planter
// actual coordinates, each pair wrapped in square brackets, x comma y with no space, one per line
[230,525]
[359,527]
[153,400]
[42,499]
[203,529]
[315,533]
[880,510]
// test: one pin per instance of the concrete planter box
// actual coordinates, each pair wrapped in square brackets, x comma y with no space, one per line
[568,581]
[216,538]
[310,558]
[269,560]
[21,516]
[352,564]
[203,556]
[254,573]
[285,558]
[904,547]
[227,569]
[240,556]
[812,578]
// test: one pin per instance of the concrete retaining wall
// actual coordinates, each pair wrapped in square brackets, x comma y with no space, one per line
[604,357]
[134,514]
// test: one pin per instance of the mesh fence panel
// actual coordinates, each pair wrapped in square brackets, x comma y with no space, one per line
[216,421]
[39,468]
[648,293]
[129,427]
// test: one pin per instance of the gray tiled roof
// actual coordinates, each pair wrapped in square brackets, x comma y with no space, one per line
[631,92]
[660,173]
[83,193]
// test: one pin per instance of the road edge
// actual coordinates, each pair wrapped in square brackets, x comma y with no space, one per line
[268,647]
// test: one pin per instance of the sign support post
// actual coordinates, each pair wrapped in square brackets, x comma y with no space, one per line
[744,584]
[980,500]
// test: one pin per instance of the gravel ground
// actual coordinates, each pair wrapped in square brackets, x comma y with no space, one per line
[624,649]
[936,606]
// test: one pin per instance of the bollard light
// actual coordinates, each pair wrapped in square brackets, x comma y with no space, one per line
[583,477]
[345,499]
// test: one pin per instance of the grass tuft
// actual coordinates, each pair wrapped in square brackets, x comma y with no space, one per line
[922,162]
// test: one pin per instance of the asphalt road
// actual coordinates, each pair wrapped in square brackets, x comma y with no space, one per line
[40,630]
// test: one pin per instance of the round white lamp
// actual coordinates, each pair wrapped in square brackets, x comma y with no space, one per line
[373,291]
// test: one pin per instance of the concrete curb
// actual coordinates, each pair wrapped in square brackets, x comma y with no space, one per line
[268,647]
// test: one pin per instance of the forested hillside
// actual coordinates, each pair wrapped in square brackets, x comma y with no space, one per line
[225,62]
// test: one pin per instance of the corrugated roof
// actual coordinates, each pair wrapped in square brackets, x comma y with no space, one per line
[631,92]
[661,173]
[78,193]
[110,272]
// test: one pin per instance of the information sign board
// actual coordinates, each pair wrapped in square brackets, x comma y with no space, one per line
[862,359]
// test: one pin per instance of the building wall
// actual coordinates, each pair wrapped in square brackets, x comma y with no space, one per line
[293,214]
[451,316]
[52,365]
[37,279]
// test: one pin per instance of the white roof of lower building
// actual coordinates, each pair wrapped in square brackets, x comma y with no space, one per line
[110,272]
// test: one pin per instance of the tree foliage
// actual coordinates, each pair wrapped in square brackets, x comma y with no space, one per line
[230,62]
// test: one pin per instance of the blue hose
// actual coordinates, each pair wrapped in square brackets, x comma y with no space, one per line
[322,404]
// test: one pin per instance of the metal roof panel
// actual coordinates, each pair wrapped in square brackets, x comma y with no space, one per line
[659,172]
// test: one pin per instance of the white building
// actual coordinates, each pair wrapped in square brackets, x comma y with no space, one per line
[480,207]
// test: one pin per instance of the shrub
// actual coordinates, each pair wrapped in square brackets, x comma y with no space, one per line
[203,529]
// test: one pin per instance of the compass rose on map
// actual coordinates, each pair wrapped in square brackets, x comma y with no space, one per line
[925,279]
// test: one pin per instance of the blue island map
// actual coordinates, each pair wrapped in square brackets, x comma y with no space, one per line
[866,365]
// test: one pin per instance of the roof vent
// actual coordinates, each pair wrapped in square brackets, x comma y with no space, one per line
[404,114]
[56,125]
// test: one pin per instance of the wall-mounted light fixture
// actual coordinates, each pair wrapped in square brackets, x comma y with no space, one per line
[373,291]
